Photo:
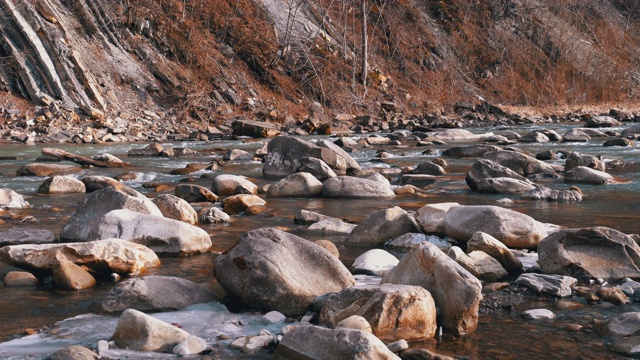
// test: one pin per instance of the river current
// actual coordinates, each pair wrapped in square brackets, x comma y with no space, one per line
[500,335]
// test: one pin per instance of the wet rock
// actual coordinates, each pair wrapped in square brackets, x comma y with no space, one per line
[84,224]
[61,185]
[285,154]
[19,235]
[382,225]
[431,217]
[429,168]
[479,264]
[539,314]
[10,199]
[214,215]
[504,185]
[374,262]
[493,247]
[255,129]
[613,295]
[154,149]
[316,167]
[253,344]
[19,279]
[195,193]
[556,285]
[173,207]
[274,270]
[547,194]
[546,155]
[418,181]
[101,256]
[315,342]
[37,169]
[96,182]
[487,169]
[575,159]
[300,184]
[237,204]
[352,166]
[191,345]
[522,164]
[227,184]
[510,227]
[332,227]
[305,217]
[236,154]
[534,137]
[74,352]
[70,276]
[160,234]
[631,132]
[472,151]
[618,142]
[455,291]
[356,322]
[587,175]
[107,158]
[625,324]
[156,293]
[601,122]
[352,187]
[141,332]
[597,252]
[393,311]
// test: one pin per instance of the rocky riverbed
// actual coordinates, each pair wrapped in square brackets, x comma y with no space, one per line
[404,243]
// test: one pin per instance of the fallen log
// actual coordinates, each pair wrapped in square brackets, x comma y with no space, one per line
[65,155]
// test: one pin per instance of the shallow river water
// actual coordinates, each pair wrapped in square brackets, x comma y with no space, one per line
[500,335]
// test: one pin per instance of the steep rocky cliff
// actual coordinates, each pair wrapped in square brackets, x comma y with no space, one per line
[208,60]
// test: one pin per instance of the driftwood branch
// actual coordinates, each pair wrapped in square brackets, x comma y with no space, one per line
[65,155]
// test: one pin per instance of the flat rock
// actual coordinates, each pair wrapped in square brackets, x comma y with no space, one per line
[41,169]
[352,187]
[332,226]
[252,128]
[522,164]
[585,175]
[556,285]
[547,194]
[70,276]
[539,314]
[156,293]
[19,235]
[504,185]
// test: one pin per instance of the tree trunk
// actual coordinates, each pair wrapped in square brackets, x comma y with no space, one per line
[365,49]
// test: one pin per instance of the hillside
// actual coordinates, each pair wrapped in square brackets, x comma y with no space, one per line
[204,61]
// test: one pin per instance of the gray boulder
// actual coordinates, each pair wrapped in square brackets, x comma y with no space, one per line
[84,224]
[285,153]
[332,227]
[601,122]
[274,270]
[545,193]
[61,185]
[455,291]
[306,217]
[429,168]
[19,235]
[382,225]
[214,215]
[74,352]
[317,168]
[556,285]
[393,311]
[160,234]
[575,159]
[491,246]
[472,151]
[300,184]
[141,332]
[353,187]
[487,169]
[479,264]
[631,132]
[353,168]
[95,182]
[156,293]
[585,175]
[512,228]
[316,342]
[522,164]
[534,137]
[504,185]
[597,252]
[172,207]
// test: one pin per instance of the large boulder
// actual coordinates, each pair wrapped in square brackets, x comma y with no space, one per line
[394,311]
[139,331]
[96,182]
[19,235]
[156,293]
[227,184]
[255,129]
[522,164]
[353,187]
[317,168]
[504,185]
[491,246]
[575,159]
[431,217]
[101,256]
[317,343]
[429,168]
[472,151]
[585,175]
[597,252]
[548,194]
[300,184]
[172,207]
[160,234]
[39,169]
[601,122]
[195,193]
[10,199]
[274,270]
[353,168]
[486,169]
[61,185]
[382,225]
[455,291]
[631,132]
[84,224]
[285,153]
[510,227]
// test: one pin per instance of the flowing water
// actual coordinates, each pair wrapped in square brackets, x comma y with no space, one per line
[501,335]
